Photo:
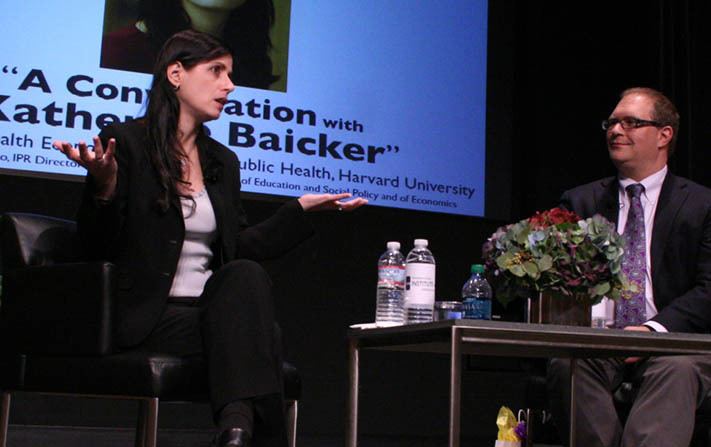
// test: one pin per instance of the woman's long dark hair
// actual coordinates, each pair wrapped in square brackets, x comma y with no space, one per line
[246,32]
[190,48]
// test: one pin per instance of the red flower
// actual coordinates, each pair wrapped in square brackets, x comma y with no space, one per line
[553,216]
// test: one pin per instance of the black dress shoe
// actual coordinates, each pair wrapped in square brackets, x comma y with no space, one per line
[233,437]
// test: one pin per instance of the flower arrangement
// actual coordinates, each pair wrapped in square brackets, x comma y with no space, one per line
[559,252]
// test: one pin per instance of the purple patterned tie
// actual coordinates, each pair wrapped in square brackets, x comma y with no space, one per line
[632,311]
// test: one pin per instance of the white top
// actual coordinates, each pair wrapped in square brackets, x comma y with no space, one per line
[650,198]
[195,256]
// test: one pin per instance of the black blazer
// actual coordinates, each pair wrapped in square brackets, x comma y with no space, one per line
[145,243]
[680,249]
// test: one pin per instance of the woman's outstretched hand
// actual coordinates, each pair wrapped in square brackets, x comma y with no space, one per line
[323,202]
[100,163]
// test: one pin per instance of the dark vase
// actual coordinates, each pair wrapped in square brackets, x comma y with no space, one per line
[555,308]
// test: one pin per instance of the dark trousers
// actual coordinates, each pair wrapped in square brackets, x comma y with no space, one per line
[232,326]
[662,415]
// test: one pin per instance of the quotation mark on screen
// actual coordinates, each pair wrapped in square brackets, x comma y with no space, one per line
[6,69]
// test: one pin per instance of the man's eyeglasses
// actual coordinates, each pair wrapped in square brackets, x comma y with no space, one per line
[629,122]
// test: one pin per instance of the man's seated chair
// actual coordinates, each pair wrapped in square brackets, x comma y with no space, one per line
[56,320]
[536,399]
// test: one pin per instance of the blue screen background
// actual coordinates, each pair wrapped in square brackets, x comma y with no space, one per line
[411,73]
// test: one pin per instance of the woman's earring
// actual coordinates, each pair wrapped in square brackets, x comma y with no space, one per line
[176,87]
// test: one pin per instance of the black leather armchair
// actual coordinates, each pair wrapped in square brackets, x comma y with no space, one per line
[56,331]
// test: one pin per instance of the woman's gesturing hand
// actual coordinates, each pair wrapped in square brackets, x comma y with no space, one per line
[100,163]
[322,202]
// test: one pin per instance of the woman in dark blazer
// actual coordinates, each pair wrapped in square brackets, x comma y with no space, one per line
[162,202]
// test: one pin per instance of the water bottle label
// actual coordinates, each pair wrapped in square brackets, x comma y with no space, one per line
[420,284]
[391,276]
[477,308]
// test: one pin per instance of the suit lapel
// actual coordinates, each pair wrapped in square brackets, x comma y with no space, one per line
[607,201]
[218,207]
[212,169]
[673,195]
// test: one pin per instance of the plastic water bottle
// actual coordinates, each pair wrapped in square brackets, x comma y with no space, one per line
[419,284]
[391,285]
[476,295]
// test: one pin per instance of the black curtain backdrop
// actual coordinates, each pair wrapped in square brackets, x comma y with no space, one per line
[572,61]
[555,71]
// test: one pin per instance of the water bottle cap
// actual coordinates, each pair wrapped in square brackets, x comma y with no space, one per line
[477,268]
[421,242]
[393,245]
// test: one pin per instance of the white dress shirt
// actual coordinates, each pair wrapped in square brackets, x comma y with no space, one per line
[650,197]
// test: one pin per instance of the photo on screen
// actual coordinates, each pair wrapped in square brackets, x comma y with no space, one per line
[257,31]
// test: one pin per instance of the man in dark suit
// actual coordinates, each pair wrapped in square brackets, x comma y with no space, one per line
[666,221]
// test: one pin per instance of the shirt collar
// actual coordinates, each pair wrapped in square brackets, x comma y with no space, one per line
[652,184]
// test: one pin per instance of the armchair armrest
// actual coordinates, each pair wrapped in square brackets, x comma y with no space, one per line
[61,309]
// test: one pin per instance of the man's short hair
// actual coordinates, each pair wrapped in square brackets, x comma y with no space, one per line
[665,111]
